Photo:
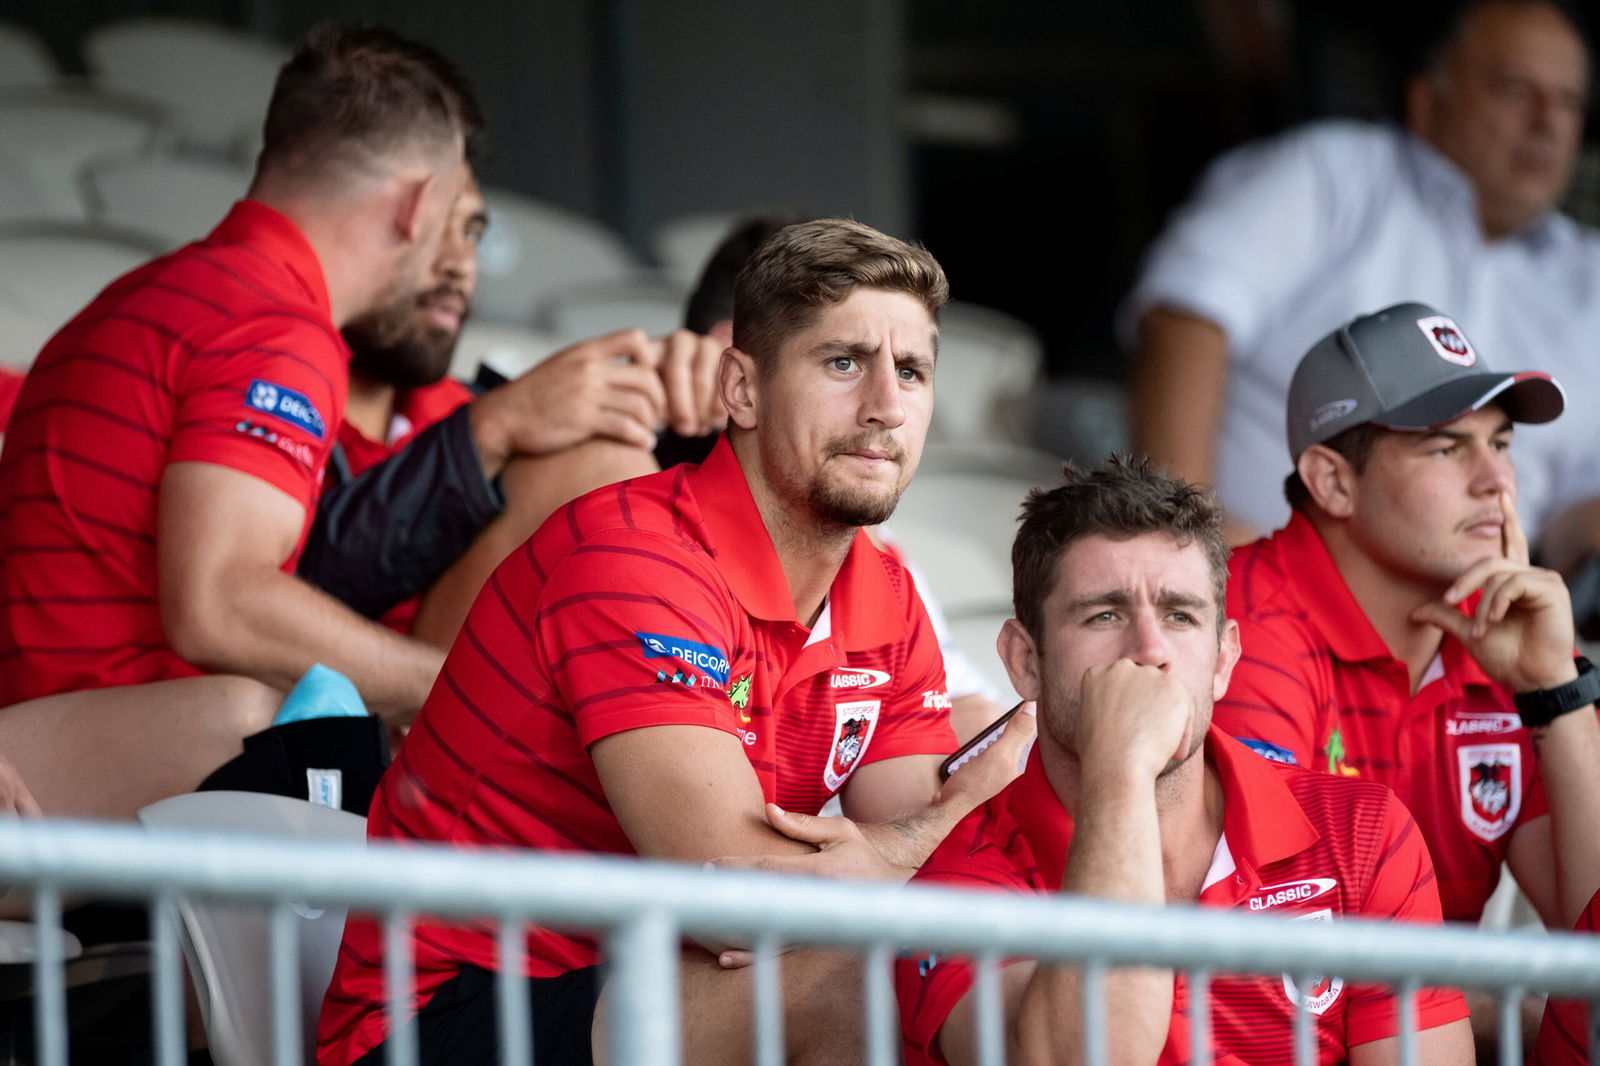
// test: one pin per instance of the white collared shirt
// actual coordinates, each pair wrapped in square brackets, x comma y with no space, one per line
[1288,238]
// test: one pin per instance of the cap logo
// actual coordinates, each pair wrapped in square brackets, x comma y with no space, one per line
[1448,340]
[1330,412]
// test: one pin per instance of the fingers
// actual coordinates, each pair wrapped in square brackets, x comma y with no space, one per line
[1513,539]
[735,960]
[808,828]
[1445,617]
[688,371]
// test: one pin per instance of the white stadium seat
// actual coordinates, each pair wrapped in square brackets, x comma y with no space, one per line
[989,363]
[507,350]
[49,136]
[216,81]
[172,198]
[532,250]
[50,271]
[583,311]
[683,244]
[24,60]
[228,947]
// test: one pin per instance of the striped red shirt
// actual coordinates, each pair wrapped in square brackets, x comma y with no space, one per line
[221,352]
[1564,1034]
[1294,844]
[1316,685]
[657,601]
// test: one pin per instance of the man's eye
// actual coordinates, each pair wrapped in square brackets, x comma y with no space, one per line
[910,373]
[1183,618]
[842,363]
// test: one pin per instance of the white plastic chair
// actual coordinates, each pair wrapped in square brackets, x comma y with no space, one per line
[173,198]
[575,314]
[229,947]
[1084,419]
[988,365]
[50,135]
[24,60]
[51,271]
[976,634]
[990,458]
[533,250]
[216,81]
[507,350]
[683,244]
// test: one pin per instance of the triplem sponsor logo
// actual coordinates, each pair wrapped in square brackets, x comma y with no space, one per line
[1269,896]
[709,660]
[857,677]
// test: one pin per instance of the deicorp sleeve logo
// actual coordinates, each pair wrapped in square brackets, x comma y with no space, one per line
[286,405]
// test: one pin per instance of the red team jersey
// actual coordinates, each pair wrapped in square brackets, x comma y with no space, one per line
[657,601]
[1294,844]
[1316,685]
[1564,1033]
[221,352]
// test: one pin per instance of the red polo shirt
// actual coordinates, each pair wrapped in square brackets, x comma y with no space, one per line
[221,352]
[1316,685]
[657,601]
[414,411]
[1294,844]
[1564,1034]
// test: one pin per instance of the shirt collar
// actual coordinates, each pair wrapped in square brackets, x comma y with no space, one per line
[271,232]
[738,540]
[1441,181]
[1261,820]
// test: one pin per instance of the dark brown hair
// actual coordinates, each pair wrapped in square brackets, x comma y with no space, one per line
[808,266]
[352,94]
[1124,497]
[1355,444]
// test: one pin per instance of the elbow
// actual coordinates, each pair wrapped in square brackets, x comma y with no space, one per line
[199,630]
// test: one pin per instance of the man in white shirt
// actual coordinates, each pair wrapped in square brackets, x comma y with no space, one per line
[1287,238]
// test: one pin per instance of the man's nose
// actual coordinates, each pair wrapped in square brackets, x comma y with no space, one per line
[882,403]
[1147,644]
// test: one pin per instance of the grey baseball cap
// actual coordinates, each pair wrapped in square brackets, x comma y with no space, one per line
[1405,367]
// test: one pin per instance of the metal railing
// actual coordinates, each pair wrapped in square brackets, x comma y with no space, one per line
[643,909]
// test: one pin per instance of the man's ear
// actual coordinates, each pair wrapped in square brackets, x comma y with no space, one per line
[1329,479]
[1228,650]
[409,204]
[736,382]
[1021,657]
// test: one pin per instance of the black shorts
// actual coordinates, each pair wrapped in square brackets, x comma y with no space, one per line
[460,1024]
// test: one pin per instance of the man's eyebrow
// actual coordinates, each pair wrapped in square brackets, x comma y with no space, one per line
[1108,598]
[1447,433]
[1173,598]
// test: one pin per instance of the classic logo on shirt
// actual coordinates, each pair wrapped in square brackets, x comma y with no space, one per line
[1473,723]
[857,677]
[852,732]
[1269,896]
[1447,339]
[1319,992]
[284,403]
[709,660]
[1269,751]
[1490,785]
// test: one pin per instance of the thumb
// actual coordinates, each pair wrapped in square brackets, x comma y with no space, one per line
[803,827]
[1448,618]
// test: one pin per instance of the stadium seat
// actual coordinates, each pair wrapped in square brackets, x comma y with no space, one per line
[48,136]
[229,947]
[51,270]
[21,336]
[988,365]
[533,250]
[215,81]
[683,244]
[987,457]
[24,60]
[975,633]
[655,306]
[1083,419]
[175,199]
[507,350]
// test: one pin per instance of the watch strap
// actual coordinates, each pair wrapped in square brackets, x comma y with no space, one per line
[1546,705]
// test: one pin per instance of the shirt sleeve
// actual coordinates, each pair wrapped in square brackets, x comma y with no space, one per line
[916,718]
[1564,1033]
[637,632]
[1274,704]
[927,985]
[265,397]
[1403,889]
[1259,224]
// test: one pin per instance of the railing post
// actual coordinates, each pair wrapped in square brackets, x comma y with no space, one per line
[642,991]
[49,979]
[166,987]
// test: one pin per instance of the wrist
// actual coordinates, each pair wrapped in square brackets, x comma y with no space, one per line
[1541,705]
[489,434]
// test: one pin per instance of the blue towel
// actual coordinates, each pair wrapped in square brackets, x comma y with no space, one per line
[321,693]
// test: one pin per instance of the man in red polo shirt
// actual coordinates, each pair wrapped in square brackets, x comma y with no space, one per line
[169,442]
[1131,794]
[1394,630]
[667,655]
[1565,1034]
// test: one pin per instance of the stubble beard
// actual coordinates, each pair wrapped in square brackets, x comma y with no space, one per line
[850,504]
[396,346]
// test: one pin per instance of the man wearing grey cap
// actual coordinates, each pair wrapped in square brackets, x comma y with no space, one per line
[1394,629]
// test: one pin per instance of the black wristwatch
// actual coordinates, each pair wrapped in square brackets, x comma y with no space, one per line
[1548,704]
